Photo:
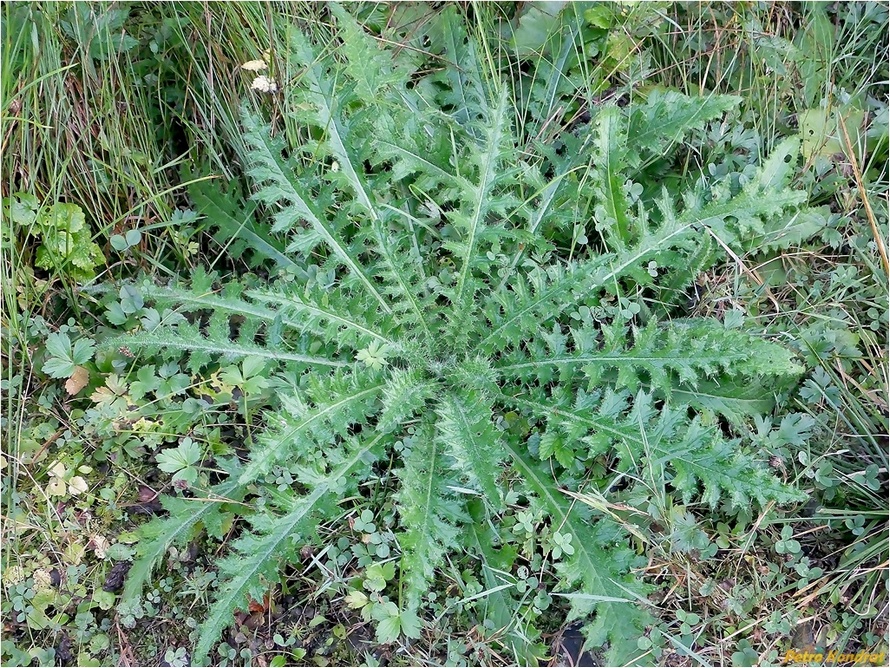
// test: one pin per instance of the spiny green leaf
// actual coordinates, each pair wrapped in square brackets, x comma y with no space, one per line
[161,533]
[269,168]
[256,554]
[428,512]
[222,347]
[592,569]
[236,224]
[304,426]
[466,430]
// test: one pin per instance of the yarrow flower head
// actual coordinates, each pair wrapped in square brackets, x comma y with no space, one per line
[264,84]
[254,65]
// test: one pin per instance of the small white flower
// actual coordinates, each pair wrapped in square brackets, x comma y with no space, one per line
[42,579]
[335,166]
[254,65]
[264,84]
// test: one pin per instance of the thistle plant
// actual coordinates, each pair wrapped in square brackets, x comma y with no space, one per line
[494,317]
